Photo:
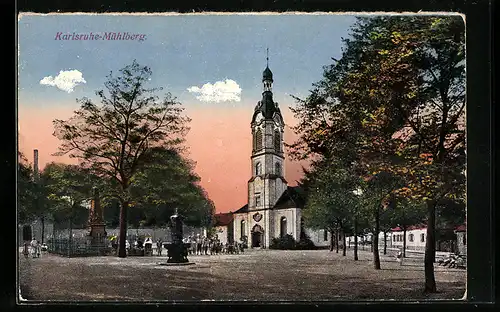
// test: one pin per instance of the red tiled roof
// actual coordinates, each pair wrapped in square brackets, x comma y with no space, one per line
[223,219]
[461,228]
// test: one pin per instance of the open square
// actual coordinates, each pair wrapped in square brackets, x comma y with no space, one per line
[260,275]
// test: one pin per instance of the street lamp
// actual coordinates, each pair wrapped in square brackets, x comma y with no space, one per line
[358,192]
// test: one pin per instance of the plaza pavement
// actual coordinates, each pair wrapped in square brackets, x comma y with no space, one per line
[256,275]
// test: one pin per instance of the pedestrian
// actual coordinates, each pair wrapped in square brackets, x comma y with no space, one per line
[205,245]
[198,244]
[159,246]
[35,250]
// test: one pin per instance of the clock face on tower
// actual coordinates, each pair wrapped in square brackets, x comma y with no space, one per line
[259,118]
[258,184]
[277,120]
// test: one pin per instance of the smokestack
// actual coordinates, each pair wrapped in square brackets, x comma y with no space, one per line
[35,164]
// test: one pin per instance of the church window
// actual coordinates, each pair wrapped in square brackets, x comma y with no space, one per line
[465,239]
[422,237]
[325,235]
[258,140]
[258,169]
[283,229]
[277,168]
[277,141]
[257,200]
[242,228]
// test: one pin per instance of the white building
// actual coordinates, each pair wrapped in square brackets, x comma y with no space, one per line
[273,208]
[224,227]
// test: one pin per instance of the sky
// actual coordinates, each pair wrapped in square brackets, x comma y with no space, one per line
[213,64]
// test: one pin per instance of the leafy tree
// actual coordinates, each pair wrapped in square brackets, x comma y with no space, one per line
[115,139]
[330,200]
[395,101]
[68,188]
[168,182]
[26,195]
[377,192]
[407,212]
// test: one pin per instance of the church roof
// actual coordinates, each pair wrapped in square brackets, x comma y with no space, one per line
[223,219]
[243,209]
[267,74]
[267,107]
[292,197]
[269,176]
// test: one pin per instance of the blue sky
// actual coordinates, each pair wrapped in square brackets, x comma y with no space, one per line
[182,50]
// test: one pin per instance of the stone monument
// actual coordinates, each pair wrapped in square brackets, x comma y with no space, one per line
[97,227]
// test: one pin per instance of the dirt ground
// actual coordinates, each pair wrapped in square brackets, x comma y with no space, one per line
[260,275]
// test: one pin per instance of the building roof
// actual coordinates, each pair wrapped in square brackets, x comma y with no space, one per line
[269,176]
[223,219]
[292,197]
[267,74]
[461,228]
[243,209]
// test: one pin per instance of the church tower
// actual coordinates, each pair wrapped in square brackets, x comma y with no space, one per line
[267,182]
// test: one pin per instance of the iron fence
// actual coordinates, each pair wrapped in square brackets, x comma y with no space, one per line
[77,247]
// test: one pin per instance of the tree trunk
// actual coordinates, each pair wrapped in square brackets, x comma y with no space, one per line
[430,248]
[404,241]
[376,256]
[122,251]
[337,240]
[385,242]
[356,239]
[70,238]
[343,244]
[331,240]
[43,227]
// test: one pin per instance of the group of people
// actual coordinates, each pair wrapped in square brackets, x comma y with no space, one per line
[198,245]
[202,245]
[33,248]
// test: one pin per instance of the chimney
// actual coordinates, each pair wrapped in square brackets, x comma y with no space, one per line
[35,164]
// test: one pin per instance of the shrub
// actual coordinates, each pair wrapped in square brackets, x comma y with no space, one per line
[286,242]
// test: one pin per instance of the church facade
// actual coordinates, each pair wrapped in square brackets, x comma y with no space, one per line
[273,208]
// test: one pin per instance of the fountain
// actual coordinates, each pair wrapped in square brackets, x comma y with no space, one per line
[177,250]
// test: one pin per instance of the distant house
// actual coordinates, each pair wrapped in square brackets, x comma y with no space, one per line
[461,232]
[224,227]
[416,236]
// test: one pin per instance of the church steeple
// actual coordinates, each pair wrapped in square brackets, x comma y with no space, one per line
[267,75]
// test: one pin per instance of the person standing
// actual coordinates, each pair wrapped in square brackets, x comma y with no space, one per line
[198,244]
[35,248]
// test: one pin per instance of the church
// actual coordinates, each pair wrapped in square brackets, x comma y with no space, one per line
[273,209]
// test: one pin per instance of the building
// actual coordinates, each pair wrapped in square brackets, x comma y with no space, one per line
[273,208]
[461,232]
[224,227]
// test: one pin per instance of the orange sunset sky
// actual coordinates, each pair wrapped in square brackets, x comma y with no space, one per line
[219,142]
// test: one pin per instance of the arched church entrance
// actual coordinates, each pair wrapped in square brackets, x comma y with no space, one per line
[257,236]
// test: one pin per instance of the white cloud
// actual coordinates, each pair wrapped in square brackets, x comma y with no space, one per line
[220,91]
[67,80]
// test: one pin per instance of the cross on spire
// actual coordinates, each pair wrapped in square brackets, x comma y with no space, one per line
[267,57]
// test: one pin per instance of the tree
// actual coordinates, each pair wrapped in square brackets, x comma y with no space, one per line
[26,192]
[407,212]
[115,139]
[67,188]
[168,182]
[377,192]
[395,101]
[330,200]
